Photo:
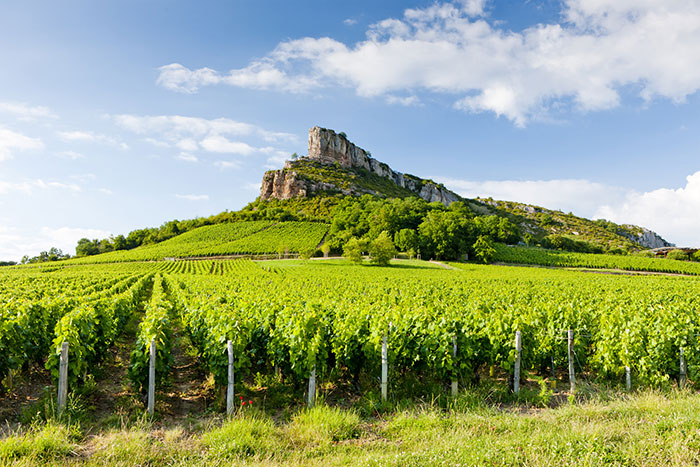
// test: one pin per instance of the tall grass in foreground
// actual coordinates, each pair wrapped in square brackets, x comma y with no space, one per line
[646,429]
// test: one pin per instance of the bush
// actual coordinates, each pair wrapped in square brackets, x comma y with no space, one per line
[353,250]
[678,255]
[381,250]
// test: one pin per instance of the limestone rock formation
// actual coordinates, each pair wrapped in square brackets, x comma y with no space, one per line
[649,239]
[334,149]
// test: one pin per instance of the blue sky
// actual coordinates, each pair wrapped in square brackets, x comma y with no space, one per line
[121,115]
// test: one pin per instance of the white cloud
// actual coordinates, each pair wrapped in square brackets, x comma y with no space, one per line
[11,141]
[15,243]
[187,157]
[71,155]
[349,22]
[581,197]
[672,213]
[217,143]
[190,134]
[31,186]
[675,211]
[405,101]
[106,191]
[25,111]
[582,62]
[224,165]
[90,137]
[193,197]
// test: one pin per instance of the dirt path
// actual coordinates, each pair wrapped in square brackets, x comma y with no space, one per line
[442,265]
[189,394]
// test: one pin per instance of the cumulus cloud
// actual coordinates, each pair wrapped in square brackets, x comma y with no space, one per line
[11,141]
[90,137]
[31,186]
[405,101]
[191,134]
[193,197]
[456,49]
[15,242]
[187,157]
[70,155]
[25,111]
[582,197]
[671,212]
[225,165]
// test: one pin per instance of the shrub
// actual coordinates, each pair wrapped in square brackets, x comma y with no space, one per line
[353,250]
[678,255]
[381,250]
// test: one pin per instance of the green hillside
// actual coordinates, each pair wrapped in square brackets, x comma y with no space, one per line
[234,238]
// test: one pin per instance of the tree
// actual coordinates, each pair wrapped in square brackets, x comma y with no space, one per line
[87,247]
[353,250]
[325,248]
[445,235]
[382,249]
[696,256]
[483,249]
[406,239]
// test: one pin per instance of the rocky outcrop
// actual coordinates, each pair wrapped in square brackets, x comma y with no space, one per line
[331,148]
[647,238]
[282,184]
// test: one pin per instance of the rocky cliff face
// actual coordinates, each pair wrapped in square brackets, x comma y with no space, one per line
[648,239]
[330,148]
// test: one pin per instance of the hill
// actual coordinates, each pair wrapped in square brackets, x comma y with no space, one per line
[347,193]
[336,166]
[235,238]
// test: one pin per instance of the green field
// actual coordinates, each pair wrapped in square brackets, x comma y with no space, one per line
[568,259]
[235,238]
[286,318]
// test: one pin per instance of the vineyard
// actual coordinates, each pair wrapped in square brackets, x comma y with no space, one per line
[567,259]
[330,318]
[235,238]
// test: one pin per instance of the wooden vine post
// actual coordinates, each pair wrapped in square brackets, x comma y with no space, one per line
[385,368]
[516,370]
[230,387]
[572,375]
[63,379]
[152,378]
[455,387]
[312,387]
[683,377]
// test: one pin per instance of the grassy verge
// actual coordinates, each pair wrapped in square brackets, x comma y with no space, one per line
[646,428]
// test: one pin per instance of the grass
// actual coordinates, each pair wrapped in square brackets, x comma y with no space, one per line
[646,428]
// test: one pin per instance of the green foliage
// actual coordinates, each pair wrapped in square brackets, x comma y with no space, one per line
[242,437]
[246,237]
[381,249]
[484,250]
[679,255]
[543,257]
[323,425]
[354,249]
[446,234]
[156,325]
